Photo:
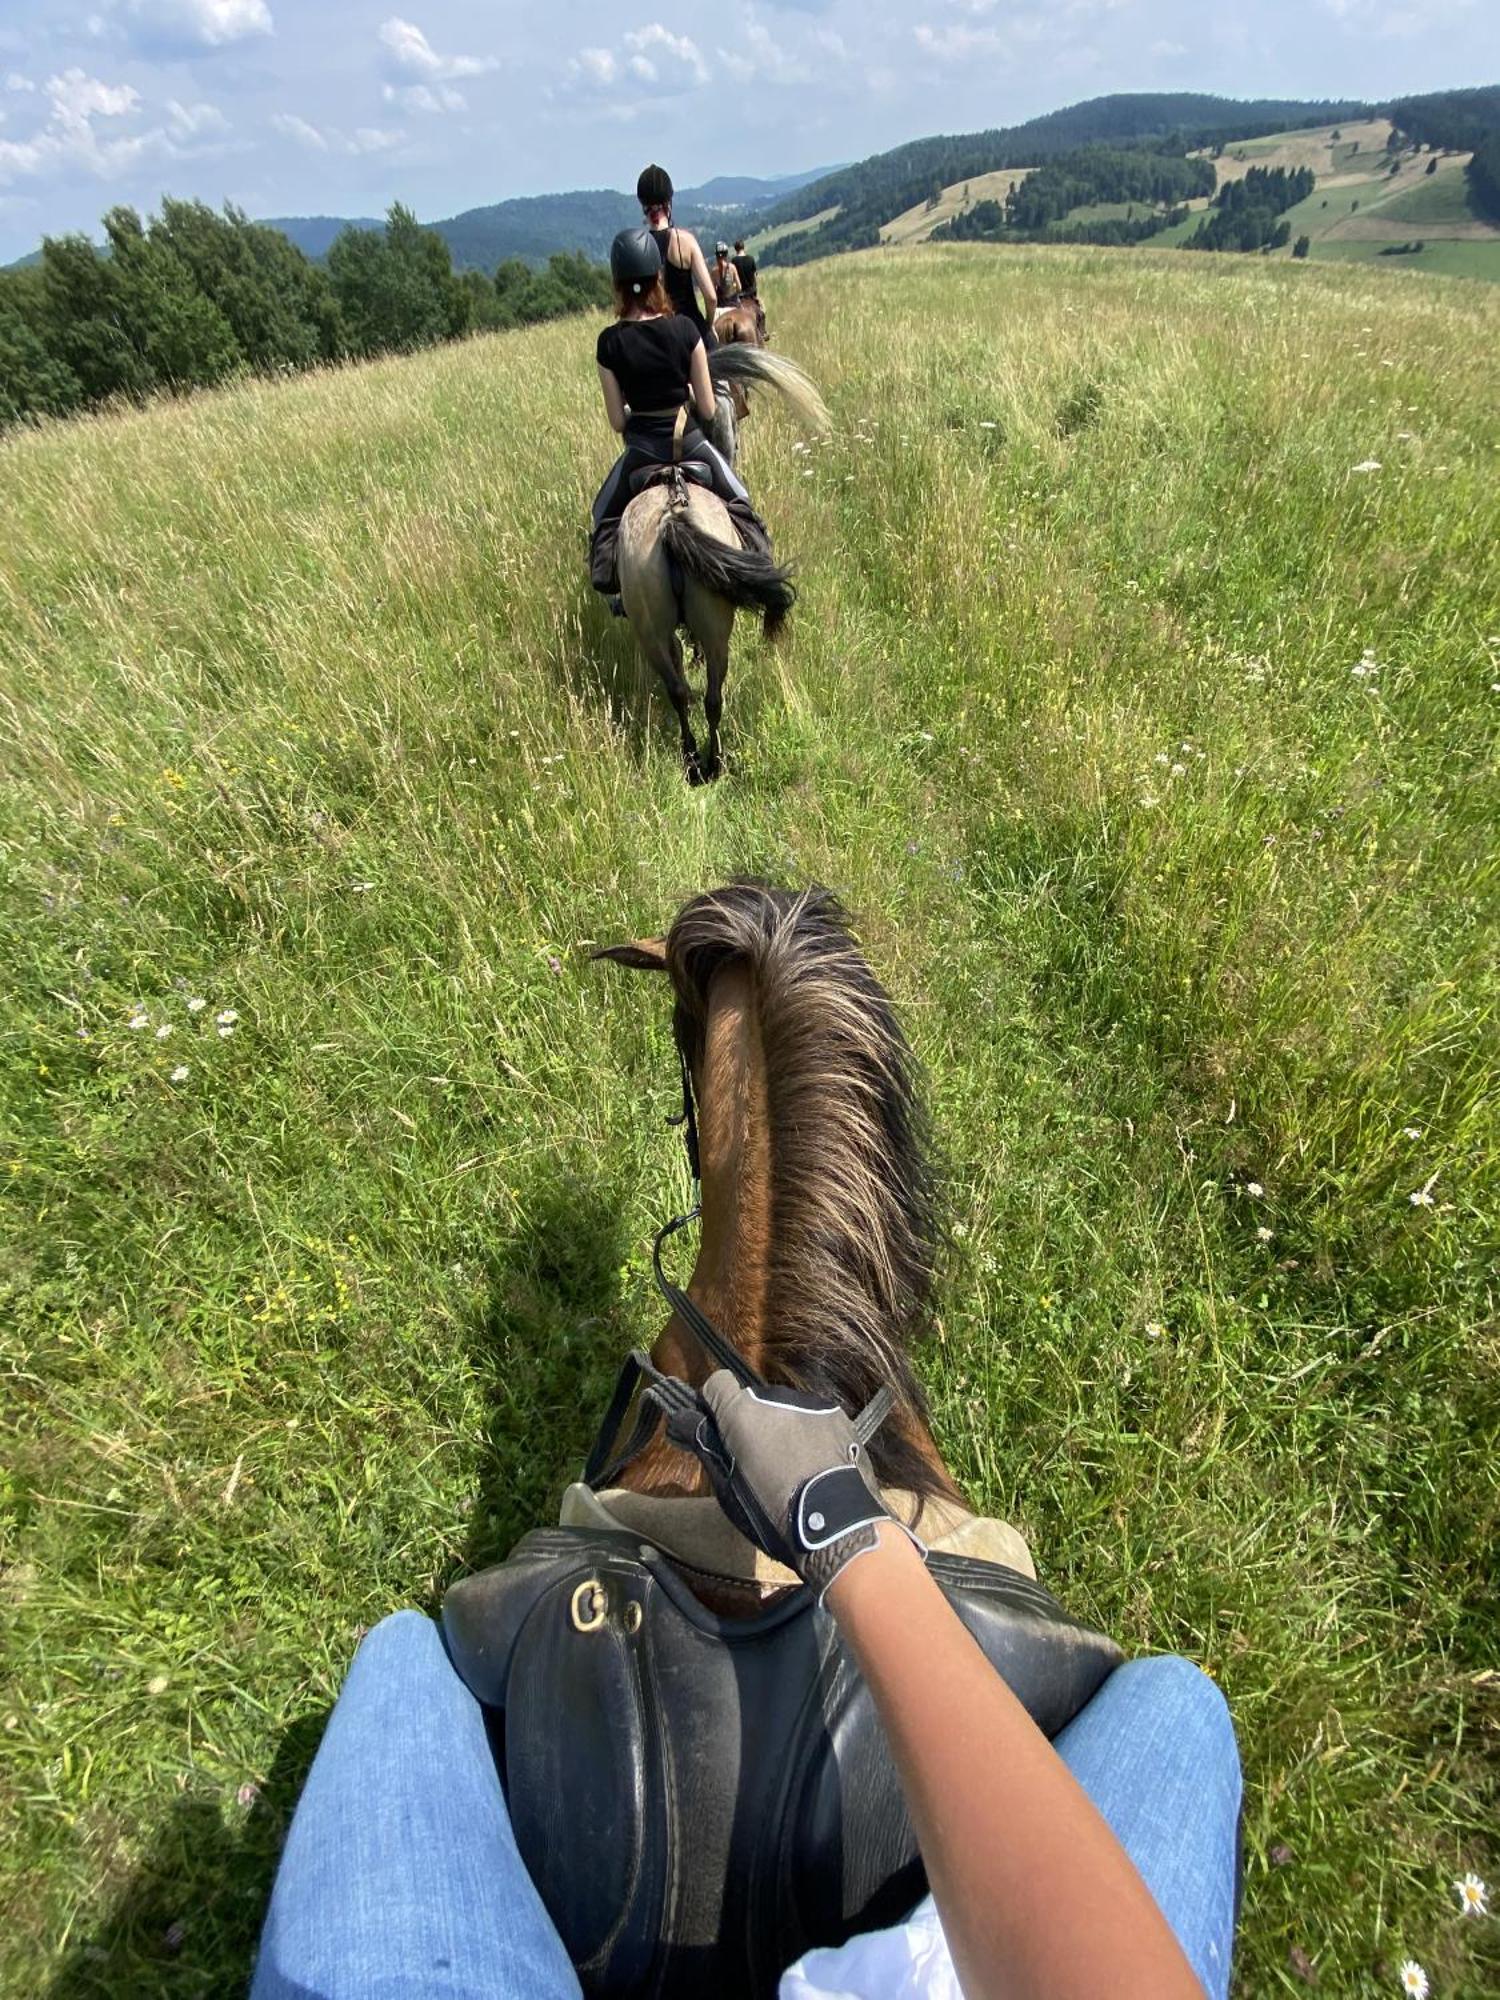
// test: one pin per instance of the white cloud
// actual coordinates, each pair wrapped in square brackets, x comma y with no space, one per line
[15,81]
[213,24]
[291,127]
[764,58]
[329,139]
[956,44]
[424,97]
[679,50]
[77,97]
[69,143]
[1400,22]
[653,57]
[193,121]
[409,53]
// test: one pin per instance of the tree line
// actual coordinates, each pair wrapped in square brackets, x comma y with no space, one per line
[1456,120]
[1248,214]
[192,296]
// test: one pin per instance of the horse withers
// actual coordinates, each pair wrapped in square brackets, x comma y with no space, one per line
[682,565]
[697,1779]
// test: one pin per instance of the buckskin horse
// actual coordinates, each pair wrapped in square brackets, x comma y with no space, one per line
[696,1776]
[681,562]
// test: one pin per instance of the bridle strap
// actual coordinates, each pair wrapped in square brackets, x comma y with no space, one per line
[687,1117]
[664,1395]
[697,1322]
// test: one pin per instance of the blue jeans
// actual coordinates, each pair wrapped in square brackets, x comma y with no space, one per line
[401,1879]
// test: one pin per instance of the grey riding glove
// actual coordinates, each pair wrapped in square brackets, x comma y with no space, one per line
[793,1476]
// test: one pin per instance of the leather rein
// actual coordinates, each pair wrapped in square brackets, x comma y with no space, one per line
[690,1423]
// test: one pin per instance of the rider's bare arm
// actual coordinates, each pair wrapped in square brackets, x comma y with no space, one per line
[702,381]
[1038,1899]
[614,401]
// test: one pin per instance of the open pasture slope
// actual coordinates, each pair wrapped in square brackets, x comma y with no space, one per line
[1142,699]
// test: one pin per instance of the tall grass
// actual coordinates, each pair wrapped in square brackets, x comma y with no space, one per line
[1155,743]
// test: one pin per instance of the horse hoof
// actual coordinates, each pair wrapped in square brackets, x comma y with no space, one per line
[710,768]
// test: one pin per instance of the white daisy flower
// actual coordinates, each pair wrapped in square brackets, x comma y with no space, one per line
[227,1018]
[180,1074]
[1370,465]
[1149,799]
[163,1031]
[1422,1197]
[1264,1235]
[224,1030]
[1254,1188]
[1473,1896]
[1411,1131]
[139,1021]
[986,424]
[196,1005]
[1154,1329]
[1413,1979]
[1178,771]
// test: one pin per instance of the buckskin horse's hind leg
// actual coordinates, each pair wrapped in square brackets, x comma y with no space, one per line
[716,653]
[666,657]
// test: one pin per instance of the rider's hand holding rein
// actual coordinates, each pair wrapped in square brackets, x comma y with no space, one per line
[1038,1899]
[796,1479]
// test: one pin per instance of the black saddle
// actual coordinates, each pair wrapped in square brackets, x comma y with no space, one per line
[701,1799]
[691,469]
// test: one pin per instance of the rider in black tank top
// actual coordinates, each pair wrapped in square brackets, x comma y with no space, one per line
[679,283]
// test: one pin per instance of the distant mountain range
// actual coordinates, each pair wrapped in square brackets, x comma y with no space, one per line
[809,215]
[533,226]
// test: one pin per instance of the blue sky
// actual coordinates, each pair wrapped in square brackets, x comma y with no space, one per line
[295,107]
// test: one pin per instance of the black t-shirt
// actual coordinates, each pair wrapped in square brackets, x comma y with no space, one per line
[650,359]
[744,263]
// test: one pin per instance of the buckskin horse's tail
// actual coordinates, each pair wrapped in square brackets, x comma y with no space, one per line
[747,578]
[758,367]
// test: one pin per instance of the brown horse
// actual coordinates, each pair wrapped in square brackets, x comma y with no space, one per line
[741,323]
[818,1229]
[681,562]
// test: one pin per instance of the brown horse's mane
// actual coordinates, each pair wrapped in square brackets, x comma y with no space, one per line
[853,1229]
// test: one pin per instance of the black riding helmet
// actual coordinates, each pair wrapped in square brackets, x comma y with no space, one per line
[634,259]
[654,188]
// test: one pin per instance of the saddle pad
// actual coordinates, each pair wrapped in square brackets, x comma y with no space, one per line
[699,1536]
[698,1799]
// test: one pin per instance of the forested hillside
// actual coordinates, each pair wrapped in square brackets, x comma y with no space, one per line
[1456,119]
[873,191]
[191,297]
[1038,209]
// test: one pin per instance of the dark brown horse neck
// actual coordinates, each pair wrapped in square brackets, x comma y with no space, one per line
[815,1254]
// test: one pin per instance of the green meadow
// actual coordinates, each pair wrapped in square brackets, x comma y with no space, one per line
[1143,701]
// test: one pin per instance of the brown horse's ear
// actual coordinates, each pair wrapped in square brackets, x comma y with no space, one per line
[641,954]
